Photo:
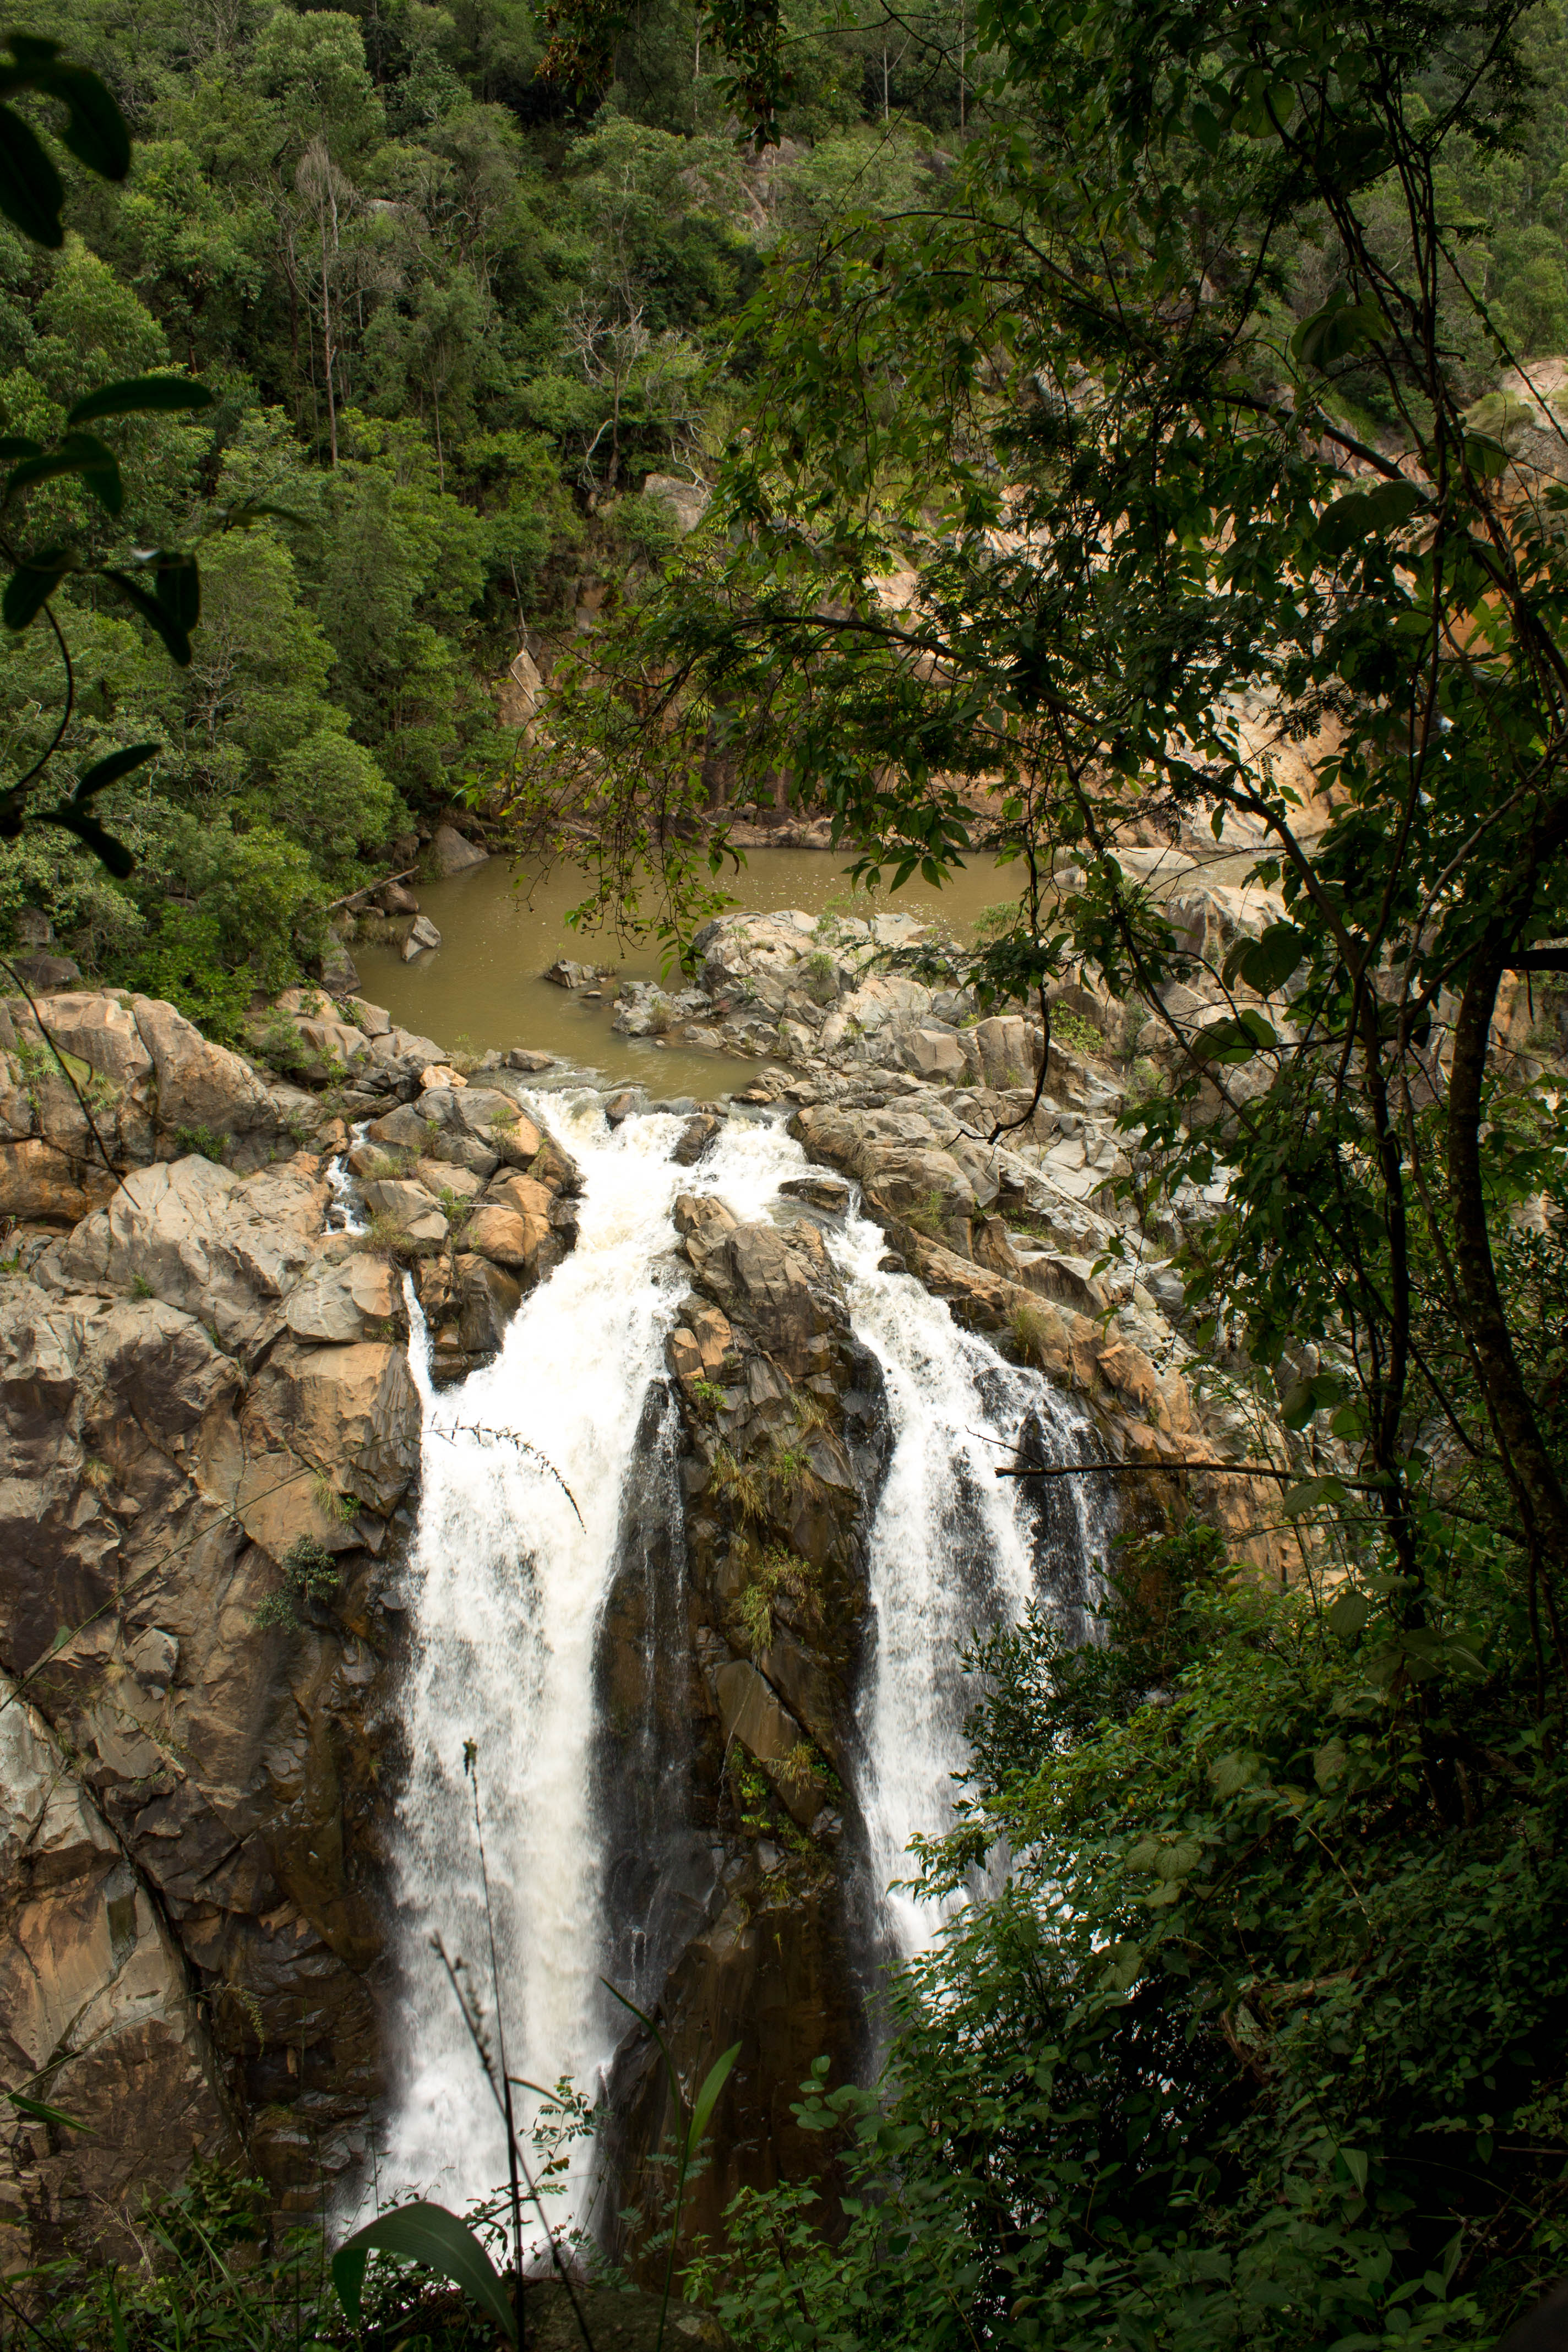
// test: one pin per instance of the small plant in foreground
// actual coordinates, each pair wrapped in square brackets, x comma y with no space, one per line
[309,1573]
[200,1141]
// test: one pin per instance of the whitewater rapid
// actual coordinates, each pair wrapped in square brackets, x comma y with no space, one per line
[510,1571]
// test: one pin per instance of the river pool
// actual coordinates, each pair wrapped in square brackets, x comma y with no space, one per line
[502,926]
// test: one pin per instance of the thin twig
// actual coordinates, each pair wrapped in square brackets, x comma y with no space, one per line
[475,2037]
[474,1429]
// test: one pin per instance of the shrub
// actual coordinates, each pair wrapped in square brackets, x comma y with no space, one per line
[310,1572]
[201,1140]
[1260,2046]
[182,962]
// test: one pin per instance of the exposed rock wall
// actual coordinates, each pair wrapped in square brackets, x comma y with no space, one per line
[98,2012]
[197,1377]
[780,1455]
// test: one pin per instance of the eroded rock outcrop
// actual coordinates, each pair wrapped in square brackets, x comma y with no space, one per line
[98,2016]
[781,1453]
[148,1085]
[467,1190]
[195,1381]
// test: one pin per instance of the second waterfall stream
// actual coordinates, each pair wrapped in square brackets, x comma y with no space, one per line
[515,1553]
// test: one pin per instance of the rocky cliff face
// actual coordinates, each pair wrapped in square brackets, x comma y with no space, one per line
[778,1458]
[209,1443]
[209,1439]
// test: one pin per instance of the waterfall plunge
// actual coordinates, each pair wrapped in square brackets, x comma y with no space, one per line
[510,1590]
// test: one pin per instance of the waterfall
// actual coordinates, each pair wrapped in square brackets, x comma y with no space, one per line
[953,1549]
[510,1587]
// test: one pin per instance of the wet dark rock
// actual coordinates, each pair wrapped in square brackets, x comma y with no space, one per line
[780,1452]
[696,1136]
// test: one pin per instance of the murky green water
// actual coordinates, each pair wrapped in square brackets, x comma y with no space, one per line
[482,987]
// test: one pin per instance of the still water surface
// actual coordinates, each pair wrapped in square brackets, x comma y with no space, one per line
[501,927]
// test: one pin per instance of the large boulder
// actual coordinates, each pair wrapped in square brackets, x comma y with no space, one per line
[450,854]
[201,1088]
[227,1249]
[97,2017]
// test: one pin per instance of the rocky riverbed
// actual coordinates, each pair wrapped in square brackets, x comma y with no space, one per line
[212,1455]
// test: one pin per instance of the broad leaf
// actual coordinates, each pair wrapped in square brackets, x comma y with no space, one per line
[1235,1041]
[117,765]
[180,589]
[177,641]
[31,193]
[109,852]
[95,132]
[427,2234]
[28,590]
[1485,456]
[1310,1494]
[1265,964]
[143,394]
[78,453]
[1350,1616]
[1362,515]
[1331,332]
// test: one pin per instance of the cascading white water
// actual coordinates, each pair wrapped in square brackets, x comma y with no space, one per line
[951,1552]
[509,1589]
[509,1586]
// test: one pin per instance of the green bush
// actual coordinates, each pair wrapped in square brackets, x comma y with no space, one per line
[182,962]
[1262,2043]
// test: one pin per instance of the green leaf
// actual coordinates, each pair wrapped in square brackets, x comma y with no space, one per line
[1339,328]
[427,2234]
[180,589]
[1329,1763]
[707,2097]
[1235,1041]
[1355,2163]
[254,510]
[1302,1399]
[96,133]
[1362,515]
[78,453]
[1176,1861]
[17,445]
[1208,130]
[109,771]
[175,639]
[28,590]
[37,2112]
[1265,964]
[31,193]
[1350,1616]
[142,395]
[1234,1771]
[1310,1494]
[109,852]
[1485,456]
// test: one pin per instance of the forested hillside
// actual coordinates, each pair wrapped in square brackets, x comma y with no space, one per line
[453,316]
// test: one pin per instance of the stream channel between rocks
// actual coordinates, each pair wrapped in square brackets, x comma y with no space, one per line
[608,1853]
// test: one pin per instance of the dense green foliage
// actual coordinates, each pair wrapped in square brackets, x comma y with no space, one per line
[1106,405]
[452,323]
[1262,2042]
[1177,422]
